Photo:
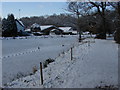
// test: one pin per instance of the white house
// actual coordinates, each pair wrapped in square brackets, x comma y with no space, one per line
[20,26]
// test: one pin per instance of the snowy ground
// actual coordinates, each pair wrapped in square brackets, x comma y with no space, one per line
[21,55]
[94,64]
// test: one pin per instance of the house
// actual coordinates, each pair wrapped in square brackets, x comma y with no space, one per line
[20,26]
[46,29]
[35,28]
[50,30]
[56,32]
[68,31]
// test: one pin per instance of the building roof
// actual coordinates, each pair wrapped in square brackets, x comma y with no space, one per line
[27,30]
[20,22]
[56,29]
[45,26]
[65,29]
[35,25]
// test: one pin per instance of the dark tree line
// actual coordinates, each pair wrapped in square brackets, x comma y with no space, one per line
[57,20]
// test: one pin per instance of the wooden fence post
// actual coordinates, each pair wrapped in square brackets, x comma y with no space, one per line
[71,54]
[41,73]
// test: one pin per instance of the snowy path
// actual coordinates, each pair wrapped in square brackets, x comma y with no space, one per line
[92,66]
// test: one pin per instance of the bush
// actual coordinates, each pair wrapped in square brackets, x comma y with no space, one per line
[47,62]
[101,36]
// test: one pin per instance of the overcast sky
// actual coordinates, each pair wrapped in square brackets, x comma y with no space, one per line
[33,8]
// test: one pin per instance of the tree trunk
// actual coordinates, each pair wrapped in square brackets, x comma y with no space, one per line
[78,28]
[104,27]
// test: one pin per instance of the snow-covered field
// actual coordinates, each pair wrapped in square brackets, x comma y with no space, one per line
[95,63]
[19,56]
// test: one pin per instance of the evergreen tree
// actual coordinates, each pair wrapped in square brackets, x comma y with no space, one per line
[9,26]
[12,25]
[5,29]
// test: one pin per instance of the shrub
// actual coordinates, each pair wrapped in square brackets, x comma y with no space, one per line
[47,62]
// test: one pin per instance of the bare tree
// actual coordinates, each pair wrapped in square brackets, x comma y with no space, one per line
[78,9]
[101,9]
[116,6]
[86,8]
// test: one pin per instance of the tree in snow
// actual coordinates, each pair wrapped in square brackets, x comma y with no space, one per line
[116,6]
[9,26]
[81,9]
[78,9]
[101,9]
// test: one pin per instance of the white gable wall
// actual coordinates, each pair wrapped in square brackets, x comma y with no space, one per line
[19,27]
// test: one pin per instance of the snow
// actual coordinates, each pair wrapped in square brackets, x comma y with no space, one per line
[45,27]
[27,30]
[53,30]
[86,33]
[74,32]
[35,25]
[95,63]
[21,55]
[65,29]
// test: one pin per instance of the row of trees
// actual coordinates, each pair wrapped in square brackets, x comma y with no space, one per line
[9,28]
[81,9]
[116,6]
[57,20]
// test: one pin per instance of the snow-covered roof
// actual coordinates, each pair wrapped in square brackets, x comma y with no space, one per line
[65,29]
[21,23]
[35,25]
[27,30]
[75,32]
[56,29]
[86,32]
[53,30]
[45,26]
